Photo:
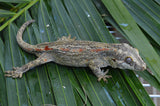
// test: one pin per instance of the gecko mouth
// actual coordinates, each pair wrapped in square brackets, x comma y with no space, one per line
[140,68]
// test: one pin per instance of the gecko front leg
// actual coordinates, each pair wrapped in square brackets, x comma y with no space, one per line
[18,71]
[95,66]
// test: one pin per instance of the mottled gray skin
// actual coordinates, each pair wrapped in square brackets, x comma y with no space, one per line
[77,53]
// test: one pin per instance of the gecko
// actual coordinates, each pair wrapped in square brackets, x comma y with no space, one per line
[79,53]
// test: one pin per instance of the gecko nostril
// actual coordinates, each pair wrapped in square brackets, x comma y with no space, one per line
[143,68]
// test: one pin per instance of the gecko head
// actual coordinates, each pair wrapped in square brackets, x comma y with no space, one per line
[129,58]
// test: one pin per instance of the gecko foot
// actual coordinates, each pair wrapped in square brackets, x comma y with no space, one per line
[64,38]
[14,74]
[104,76]
[15,68]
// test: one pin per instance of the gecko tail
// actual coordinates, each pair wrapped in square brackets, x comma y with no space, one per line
[22,44]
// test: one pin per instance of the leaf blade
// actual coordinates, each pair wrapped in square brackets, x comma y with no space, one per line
[132,31]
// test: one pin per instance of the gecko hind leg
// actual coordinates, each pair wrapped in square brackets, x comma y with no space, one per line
[17,72]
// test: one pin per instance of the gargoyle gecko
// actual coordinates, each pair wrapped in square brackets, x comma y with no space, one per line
[77,53]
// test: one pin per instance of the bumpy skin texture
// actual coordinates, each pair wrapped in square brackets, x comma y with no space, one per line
[77,53]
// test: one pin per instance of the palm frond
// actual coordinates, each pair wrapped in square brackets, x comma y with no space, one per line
[60,85]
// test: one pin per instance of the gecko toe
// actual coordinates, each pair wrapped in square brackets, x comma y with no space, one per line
[7,75]
[99,79]
[13,74]
[8,72]
[15,68]
[104,79]
[104,76]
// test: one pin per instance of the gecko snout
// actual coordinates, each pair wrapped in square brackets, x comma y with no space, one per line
[140,67]
[143,67]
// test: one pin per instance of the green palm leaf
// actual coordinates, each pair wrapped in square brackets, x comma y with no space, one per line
[60,85]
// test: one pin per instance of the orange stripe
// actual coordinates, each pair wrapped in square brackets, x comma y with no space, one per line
[47,48]
[64,49]
[38,49]
[81,50]
[45,60]
[98,50]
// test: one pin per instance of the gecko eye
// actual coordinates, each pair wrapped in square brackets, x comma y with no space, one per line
[113,59]
[128,60]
